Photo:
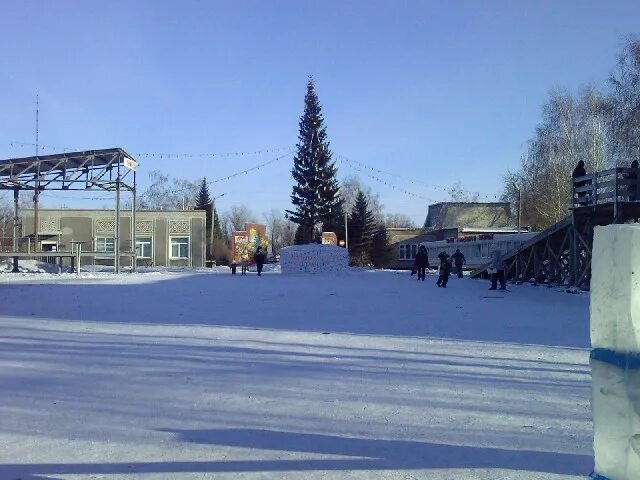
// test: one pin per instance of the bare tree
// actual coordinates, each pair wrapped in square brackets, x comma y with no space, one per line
[601,130]
[289,233]
[166,193]
[349,189]
[624,103]
[280,229]
[592,129]
[458,194]
[236,217]
[545,168]
[398,220]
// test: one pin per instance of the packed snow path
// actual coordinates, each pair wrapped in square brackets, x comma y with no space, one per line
[363,375]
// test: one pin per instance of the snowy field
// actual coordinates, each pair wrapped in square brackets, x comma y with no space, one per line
[371,375]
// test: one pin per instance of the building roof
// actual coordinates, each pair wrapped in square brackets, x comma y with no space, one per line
[469,215]
[423,237]
[396,235]
[100,211]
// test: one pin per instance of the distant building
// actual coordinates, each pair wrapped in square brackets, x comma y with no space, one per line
[470,215]
[163,238]
[448,220]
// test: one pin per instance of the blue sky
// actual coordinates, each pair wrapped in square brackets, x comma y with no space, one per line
[431,92]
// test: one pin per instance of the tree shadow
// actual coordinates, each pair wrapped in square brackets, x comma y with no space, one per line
[368,454]
[344,304]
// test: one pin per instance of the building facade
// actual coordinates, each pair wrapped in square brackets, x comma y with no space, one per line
[451,220]
[162,238]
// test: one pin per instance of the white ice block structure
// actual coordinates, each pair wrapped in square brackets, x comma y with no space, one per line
[314,258]
[615,355]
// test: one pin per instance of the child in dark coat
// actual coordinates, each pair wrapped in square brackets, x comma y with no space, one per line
[421,262]
[445,270]
[259,258]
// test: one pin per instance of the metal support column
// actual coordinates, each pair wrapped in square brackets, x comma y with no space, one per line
[16,219]
[36,218]
[573,257]
[116,245]
[133,225]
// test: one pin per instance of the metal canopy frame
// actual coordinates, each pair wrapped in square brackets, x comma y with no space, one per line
[110,170]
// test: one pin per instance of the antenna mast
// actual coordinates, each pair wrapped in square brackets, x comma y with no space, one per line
[37,115]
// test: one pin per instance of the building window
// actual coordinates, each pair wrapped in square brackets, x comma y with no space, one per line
[407,251]
[143,247]
[179,247]
[105,244]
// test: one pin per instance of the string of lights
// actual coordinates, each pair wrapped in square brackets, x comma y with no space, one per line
[359,166]
[387,184]
[17,144]
[445,189]
[236,174]
[205,155]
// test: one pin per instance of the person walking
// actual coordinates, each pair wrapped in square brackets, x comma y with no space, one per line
[421,262]
[445,270]
[580,171]
[259,258]
[496,268]
[459,261]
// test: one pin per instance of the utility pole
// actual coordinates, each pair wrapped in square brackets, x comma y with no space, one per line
[515,185]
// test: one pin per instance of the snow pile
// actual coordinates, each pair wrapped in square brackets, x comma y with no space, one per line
[30,266]
[314,258]
[615,358]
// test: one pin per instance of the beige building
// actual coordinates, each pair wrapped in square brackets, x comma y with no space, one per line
[447,220]
[163,238]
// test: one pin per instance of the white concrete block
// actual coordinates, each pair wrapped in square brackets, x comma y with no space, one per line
[616,421]
[615,288]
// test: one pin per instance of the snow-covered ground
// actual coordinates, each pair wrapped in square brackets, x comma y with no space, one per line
[175,375]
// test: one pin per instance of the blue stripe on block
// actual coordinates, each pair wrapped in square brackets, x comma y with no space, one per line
[595,476]
[629,361]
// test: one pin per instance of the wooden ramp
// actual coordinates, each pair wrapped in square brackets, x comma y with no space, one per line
[561,254]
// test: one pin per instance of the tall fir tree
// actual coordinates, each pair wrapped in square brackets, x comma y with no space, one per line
[361,226]
[204,202]
[380,252]
[315,194]
[217,228]
[203,198]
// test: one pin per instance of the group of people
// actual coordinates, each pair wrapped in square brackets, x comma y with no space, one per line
[495,268]
[259,258]
[421,264]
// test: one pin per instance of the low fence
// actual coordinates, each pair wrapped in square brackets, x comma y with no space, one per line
[615,185]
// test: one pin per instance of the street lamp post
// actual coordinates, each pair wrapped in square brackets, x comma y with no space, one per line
[515,185]
[519,189]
